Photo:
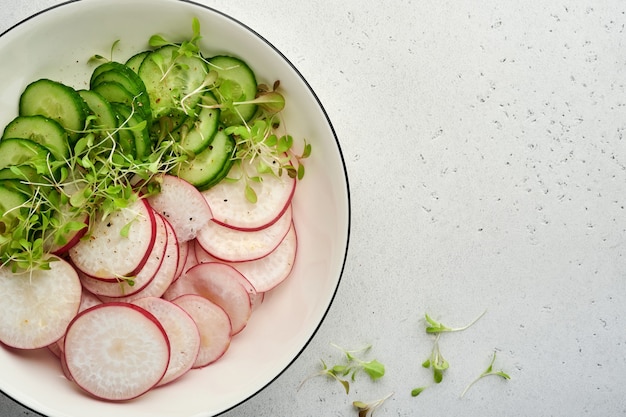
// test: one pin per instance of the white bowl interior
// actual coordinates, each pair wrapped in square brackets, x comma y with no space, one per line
[56,44]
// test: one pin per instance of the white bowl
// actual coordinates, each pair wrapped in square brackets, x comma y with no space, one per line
[57,44]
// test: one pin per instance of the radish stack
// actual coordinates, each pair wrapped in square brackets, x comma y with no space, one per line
[156,289]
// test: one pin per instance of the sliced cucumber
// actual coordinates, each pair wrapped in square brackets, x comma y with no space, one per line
[19,151]
[24,173]
[12,196]
[211,165]
[134,62]
[40,129]
[198,132]
[117,72]
[233,70]
[169,77]
[56,101]
[133,139]
[104,116]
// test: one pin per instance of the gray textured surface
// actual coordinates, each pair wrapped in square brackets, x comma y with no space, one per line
[485,147]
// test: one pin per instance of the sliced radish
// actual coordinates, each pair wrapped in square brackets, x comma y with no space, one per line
[123,287]
[116,351]
[231,208]
[183,252]
[234,245]
[213,324]
[37,306]
[119,245]
[87,300]
[219,283]
[267,272]
[163,277]
[181,331]
[182,205]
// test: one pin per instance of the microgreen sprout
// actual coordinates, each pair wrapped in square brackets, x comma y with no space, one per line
[368,409]
[436,362]
[417,391]
[487,372]
[434,326]
[346,372]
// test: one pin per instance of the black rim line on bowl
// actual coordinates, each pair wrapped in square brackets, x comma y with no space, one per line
[345,172]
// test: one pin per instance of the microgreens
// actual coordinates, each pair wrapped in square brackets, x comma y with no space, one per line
[417,391]
[347,371]
[437,327]
[487,372]
[436,361]
[258,144]
[368,409]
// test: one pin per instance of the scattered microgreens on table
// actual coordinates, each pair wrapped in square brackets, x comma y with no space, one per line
[487,372]
[367,409]
[346,371]
[436,360]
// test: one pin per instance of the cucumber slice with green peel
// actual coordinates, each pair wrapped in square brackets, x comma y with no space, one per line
[117,72]
[136,140]
[198,132]
[209,166]
[22,173]
[104,117]
[115,92]
[170,77]
[134,62]
[235,77]
[18,151]
[56,101]
[40,129]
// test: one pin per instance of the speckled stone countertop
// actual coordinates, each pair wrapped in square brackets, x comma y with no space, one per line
[486,152]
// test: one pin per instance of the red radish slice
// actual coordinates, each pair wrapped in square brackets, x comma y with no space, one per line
[256,297]
[37,306]
[183,252]
[219,283]
[122,287]
[267,272]
[111,252]
[116,351]
[233,245]
[163,277]
[230,207]
[87,300]
[182,205]
[181,331]
[213,324]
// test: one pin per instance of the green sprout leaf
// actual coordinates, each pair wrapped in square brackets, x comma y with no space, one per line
[434,326]
[487,372]
[367,409]
[348,370]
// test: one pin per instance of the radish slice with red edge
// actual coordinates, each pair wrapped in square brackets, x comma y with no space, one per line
[126,287]
[234,245]
[163,278]
[267,272]
[231,208]
[219,283]
[182,205]
[116,351]
[213,324]
[119,245]
[38,305]
[181,331]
